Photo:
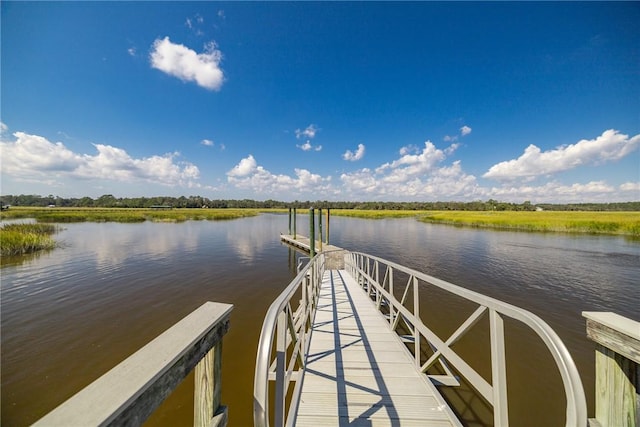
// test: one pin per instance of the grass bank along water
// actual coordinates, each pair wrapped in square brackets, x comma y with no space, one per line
[621,223]
[49,215]
[618,223]
[20,239]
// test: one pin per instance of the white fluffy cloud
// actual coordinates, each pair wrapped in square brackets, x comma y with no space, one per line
[308,133]
[464,131]
[609,146]
[179,61]
[248,175]
[32,156]
[307,146]
[354,155]
[417,173]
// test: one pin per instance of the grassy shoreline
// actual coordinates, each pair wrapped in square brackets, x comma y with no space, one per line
[613,223]
[21,239]
[124,215]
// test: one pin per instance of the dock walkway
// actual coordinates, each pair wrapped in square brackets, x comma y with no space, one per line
[357,371]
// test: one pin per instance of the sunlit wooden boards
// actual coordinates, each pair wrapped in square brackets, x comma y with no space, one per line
[358,373]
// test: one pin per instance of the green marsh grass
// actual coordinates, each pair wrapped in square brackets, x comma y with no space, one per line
[621,223]
[20,239]
[124,215]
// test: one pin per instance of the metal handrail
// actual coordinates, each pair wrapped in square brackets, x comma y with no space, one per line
[289,331]
[366,270]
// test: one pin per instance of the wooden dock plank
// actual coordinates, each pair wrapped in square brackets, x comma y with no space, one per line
[358,372]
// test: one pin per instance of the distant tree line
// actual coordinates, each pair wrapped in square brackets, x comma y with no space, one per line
[109,201]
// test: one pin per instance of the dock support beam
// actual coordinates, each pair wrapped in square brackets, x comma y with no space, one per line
[290,221]
[617,373]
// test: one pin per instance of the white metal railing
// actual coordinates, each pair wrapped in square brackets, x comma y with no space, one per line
[131,391]
[284,343]
[367,270]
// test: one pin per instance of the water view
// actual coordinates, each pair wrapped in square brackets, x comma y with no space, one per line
[71,314]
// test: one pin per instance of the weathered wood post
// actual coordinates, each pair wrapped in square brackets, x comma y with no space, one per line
[295,214]
[312,234]
[320,227]
[208,388]
[617,374]
[328,209]
[289,221]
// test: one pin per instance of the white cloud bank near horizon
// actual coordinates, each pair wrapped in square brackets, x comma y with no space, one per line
[33,158]
[421,173]
[610,146]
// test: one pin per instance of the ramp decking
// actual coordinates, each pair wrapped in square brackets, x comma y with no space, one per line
[357,372]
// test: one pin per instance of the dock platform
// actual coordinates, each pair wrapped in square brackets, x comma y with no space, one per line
[335,255]
[357,371]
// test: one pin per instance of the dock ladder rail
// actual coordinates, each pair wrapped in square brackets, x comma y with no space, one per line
[284,343]
[367,270]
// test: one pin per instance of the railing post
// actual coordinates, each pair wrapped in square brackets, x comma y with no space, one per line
[207,390]
[281,367]
[312,234]
[392,314]
[498,370]
[416,313]
[617,374]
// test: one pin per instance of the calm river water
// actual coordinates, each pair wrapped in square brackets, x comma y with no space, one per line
[71,314]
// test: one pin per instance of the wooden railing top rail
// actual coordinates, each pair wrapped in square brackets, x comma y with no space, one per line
[131,391]
[615,332]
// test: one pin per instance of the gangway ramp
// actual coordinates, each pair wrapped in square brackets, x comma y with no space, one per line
[357,371]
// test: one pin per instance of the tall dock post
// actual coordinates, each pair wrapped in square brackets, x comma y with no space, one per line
[289,220]
[327,241]
[320,227]
[295,214]
[312,234]
[617,373]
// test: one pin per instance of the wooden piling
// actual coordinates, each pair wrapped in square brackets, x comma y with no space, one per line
[617,374]
[294,222]
[312,233]
[320,227]
[327,241]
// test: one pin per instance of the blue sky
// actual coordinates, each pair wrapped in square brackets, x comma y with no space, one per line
[333,101]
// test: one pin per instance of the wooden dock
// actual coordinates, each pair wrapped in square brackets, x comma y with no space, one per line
[357,371]
[330,354]
[335,255]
